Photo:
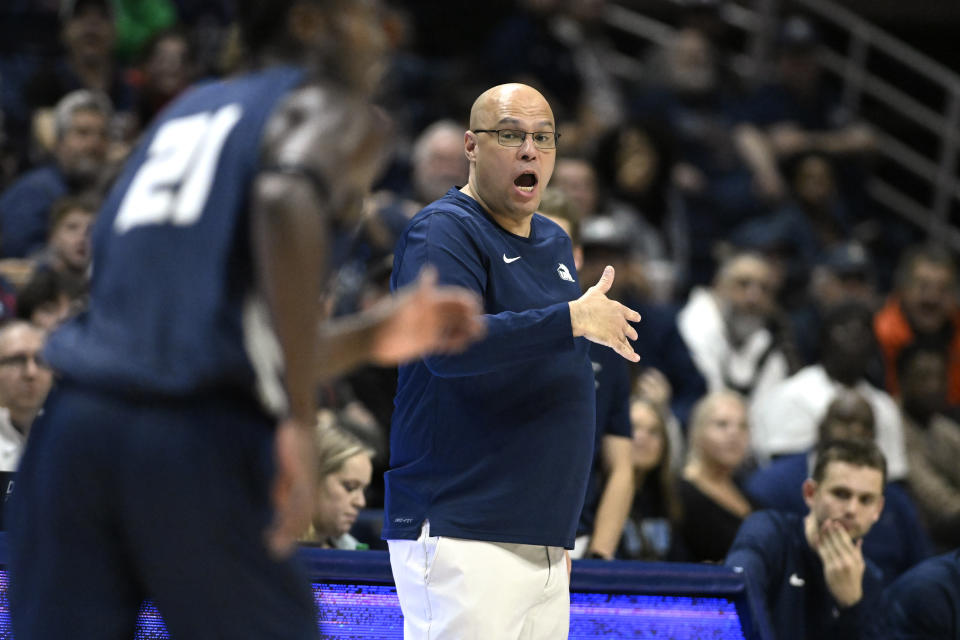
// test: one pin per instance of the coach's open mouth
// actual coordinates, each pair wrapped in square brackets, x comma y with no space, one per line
[526,181]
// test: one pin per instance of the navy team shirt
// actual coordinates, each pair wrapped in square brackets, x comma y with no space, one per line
[172,310]
[494,443]
[772,550]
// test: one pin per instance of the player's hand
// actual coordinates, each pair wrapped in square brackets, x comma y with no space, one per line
[843,563]
[294,486]
[424,318]
[604,321]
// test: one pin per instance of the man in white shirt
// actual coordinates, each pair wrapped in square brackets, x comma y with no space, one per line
[784,420]
[731,328]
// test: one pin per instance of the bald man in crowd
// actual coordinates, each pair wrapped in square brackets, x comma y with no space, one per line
[491,449]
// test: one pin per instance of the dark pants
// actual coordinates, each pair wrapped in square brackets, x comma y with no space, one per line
[118,500]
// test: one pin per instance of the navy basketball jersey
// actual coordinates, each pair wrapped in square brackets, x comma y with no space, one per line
[172,308]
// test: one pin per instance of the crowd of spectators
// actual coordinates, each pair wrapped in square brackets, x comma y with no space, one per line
[732,208]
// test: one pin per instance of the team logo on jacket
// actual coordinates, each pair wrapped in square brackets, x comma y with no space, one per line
[564,273]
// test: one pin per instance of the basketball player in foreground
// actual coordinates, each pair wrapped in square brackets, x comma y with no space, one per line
[158,468]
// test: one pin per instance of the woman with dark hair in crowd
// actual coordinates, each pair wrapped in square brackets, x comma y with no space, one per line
[649,531]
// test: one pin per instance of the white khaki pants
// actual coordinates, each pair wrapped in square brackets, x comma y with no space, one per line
[455,589]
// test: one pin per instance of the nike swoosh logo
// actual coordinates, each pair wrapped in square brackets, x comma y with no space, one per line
[796,581]
[509,260]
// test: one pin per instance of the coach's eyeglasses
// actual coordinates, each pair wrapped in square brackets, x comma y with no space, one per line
[515,137]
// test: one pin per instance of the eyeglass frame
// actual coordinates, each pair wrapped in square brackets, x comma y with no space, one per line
[20,361]
[556,137]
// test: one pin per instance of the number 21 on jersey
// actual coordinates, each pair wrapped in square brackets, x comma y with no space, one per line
[173,183]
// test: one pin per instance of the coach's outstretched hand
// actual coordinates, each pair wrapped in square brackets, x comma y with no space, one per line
[604,321]
[424,318]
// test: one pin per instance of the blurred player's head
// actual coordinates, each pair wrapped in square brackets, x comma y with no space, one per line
[509,170]
[847,485]
[345,39]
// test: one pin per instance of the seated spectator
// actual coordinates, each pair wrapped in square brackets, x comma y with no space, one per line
[898,540]
[811,223]
[29,33]
[932,435]
[734,331]
[667,362]
[845,273]
[924,603]
[649,531]
[785,419]
[79,160]
[634,163]
[798,110]
[567,55]
[724,172]
[809,570]
[168,67]
[437,163]
[922,309]
[88,34]
[68,245]
[712,503]
[24,383]
[47,299]
[344,470]
[577,178]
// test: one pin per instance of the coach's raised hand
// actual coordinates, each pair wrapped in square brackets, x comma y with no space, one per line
[604,321]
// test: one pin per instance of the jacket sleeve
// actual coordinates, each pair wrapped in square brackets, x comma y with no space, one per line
[512,337]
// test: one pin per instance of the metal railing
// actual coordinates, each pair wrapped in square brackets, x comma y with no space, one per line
[934,168]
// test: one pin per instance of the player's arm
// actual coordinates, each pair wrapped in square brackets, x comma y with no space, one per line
[617,496]
[322,155]
[313,138]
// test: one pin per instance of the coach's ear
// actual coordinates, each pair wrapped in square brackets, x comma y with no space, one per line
[470,145]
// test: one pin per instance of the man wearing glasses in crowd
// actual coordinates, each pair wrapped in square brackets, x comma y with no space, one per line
[24,383]
[490,449]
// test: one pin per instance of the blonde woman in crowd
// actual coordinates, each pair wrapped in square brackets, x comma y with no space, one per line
[345,470]
[713,503]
